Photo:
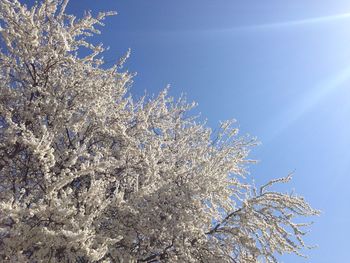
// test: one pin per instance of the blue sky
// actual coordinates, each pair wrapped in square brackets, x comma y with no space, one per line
[281,68]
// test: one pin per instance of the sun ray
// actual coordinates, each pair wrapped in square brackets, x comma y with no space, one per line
[306,103]
[300,22]
[282,24]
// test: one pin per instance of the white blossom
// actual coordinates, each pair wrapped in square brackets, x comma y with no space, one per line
[88,174]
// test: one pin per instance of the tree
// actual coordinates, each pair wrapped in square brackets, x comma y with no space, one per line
[88,174]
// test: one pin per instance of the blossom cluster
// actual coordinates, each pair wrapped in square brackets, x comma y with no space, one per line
[89,174]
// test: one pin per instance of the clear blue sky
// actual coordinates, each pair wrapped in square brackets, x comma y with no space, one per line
[281,68]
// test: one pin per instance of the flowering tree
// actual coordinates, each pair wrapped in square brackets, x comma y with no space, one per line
[87,174]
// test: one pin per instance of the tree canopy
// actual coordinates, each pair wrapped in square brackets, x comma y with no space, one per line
[89,174]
